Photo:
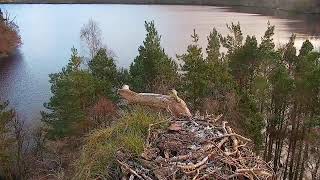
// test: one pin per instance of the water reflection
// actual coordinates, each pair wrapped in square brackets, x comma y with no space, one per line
[21,87]
[304,25]
[11,69]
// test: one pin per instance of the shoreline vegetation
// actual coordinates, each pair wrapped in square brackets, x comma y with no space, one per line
[298,6]
[10,39]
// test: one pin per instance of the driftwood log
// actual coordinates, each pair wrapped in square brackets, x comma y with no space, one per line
[175,105]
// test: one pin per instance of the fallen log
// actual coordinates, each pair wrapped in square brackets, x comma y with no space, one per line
[174,104]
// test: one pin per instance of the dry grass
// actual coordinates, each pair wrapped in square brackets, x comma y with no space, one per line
[129,133]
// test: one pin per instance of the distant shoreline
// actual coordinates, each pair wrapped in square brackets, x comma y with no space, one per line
[305,9]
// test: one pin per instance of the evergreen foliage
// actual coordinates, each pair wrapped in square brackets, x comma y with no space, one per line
[152,70]
[104,70]
[74,90]
[220,81]
[194,68]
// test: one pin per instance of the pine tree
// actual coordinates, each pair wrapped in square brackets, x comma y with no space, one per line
[213,48]
[104,70]
[220,81]
[194,68]
[152,68]
[74,90]
[306,97]
[243,62]
[234,40]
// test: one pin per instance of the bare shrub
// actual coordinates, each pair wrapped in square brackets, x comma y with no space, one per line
[20,135]
[90,34]
[103,112]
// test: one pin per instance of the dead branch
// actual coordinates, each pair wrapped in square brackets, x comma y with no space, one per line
[129,169]
[259,171]
[175,105]
[193,166]
[232,137]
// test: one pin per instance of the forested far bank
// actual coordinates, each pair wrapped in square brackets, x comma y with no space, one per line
[305,6]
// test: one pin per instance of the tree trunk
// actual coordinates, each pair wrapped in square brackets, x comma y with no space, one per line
[297,161]
[293,153]
[315,171]
[305,157]
[287,160]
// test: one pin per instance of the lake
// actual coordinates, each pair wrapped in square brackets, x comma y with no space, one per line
[49,32]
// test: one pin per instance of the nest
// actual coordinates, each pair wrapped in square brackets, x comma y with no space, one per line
[194,148]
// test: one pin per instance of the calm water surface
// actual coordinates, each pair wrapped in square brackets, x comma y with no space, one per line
[49,31]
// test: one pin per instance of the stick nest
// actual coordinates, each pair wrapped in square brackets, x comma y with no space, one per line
[196,148]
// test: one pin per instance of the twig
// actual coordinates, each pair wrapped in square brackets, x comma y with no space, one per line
[224,127]
[233,134]
[224,140]
[149,130]
[195,177]
[224,157]
[194,166]
[131,170]
[259,171]
[236,175]
[131,177]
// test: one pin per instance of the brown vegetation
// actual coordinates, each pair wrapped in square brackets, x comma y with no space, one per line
[13,144]
[102,113]
[9,34]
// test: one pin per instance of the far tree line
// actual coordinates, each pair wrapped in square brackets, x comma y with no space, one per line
[269,94]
